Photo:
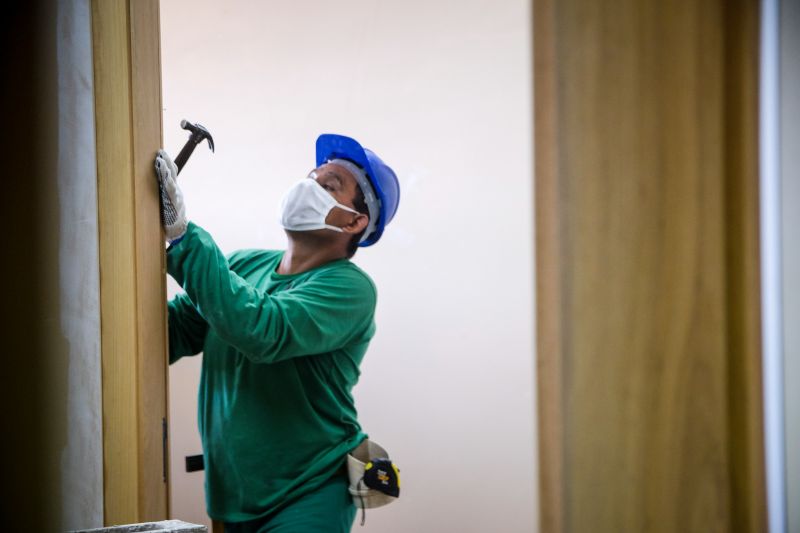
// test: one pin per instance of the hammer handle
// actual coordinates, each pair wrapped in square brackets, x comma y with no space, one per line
[185,152]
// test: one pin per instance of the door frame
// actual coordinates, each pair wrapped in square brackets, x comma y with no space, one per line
[127,84]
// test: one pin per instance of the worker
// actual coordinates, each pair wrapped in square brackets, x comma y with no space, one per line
[282,335]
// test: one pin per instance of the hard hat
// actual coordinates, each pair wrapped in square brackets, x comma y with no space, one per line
[381,176]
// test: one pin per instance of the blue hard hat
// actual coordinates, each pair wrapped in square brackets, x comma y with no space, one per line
[381,176]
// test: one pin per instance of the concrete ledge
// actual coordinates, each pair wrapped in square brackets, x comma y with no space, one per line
[165,526]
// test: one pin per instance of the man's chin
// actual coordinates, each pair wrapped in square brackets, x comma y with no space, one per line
[316,235]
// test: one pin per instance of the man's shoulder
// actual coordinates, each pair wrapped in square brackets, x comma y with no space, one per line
[247,256]
[348,274]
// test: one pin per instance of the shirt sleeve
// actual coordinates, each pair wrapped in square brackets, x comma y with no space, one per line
[326,312]
[187,328]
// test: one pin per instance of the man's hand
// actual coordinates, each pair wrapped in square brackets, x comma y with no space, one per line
[173,212]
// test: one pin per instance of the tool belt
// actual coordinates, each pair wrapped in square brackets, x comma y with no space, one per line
[374,478]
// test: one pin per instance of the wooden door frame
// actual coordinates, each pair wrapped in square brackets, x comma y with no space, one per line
[127,84]
[742,488]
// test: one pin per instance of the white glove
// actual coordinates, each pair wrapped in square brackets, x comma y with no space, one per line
[173,211]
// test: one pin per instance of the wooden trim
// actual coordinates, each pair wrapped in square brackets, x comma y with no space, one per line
[742,248]
[127,84]
[548,303]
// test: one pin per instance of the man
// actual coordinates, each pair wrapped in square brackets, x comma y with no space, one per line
[282,335]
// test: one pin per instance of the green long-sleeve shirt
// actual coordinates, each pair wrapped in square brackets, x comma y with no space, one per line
[281,354]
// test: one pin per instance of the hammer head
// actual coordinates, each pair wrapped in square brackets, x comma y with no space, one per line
[198,133]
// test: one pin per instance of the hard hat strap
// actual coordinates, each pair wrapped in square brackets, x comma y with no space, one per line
[370,198]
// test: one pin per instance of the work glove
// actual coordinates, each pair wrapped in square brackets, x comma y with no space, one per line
[173,212]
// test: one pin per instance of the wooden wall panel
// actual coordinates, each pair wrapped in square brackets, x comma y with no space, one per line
[548,280]
[647,266]
[132,268]
[748,481]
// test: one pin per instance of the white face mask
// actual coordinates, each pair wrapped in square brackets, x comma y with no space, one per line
[306,206]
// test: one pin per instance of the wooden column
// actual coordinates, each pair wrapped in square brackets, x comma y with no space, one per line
[647,266]
[132,269]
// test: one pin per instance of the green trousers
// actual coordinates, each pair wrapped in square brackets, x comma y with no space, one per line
[329,509]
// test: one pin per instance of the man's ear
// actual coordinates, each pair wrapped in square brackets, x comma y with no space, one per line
[357,225]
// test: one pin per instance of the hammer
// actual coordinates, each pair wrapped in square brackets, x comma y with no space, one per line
[198,134]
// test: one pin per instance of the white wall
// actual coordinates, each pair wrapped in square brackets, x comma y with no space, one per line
[790,185]
[442,92]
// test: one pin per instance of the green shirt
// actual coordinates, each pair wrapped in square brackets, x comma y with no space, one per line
[280,358]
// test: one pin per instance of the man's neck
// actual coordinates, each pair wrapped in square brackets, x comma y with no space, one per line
[305,254]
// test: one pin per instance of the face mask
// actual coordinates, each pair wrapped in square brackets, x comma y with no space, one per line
[306,206]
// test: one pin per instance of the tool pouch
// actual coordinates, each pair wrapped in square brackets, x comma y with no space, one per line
[374,479]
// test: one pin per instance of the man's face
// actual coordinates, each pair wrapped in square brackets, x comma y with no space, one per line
[340,184]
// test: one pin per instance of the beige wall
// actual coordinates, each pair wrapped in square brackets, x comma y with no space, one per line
[442,91]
